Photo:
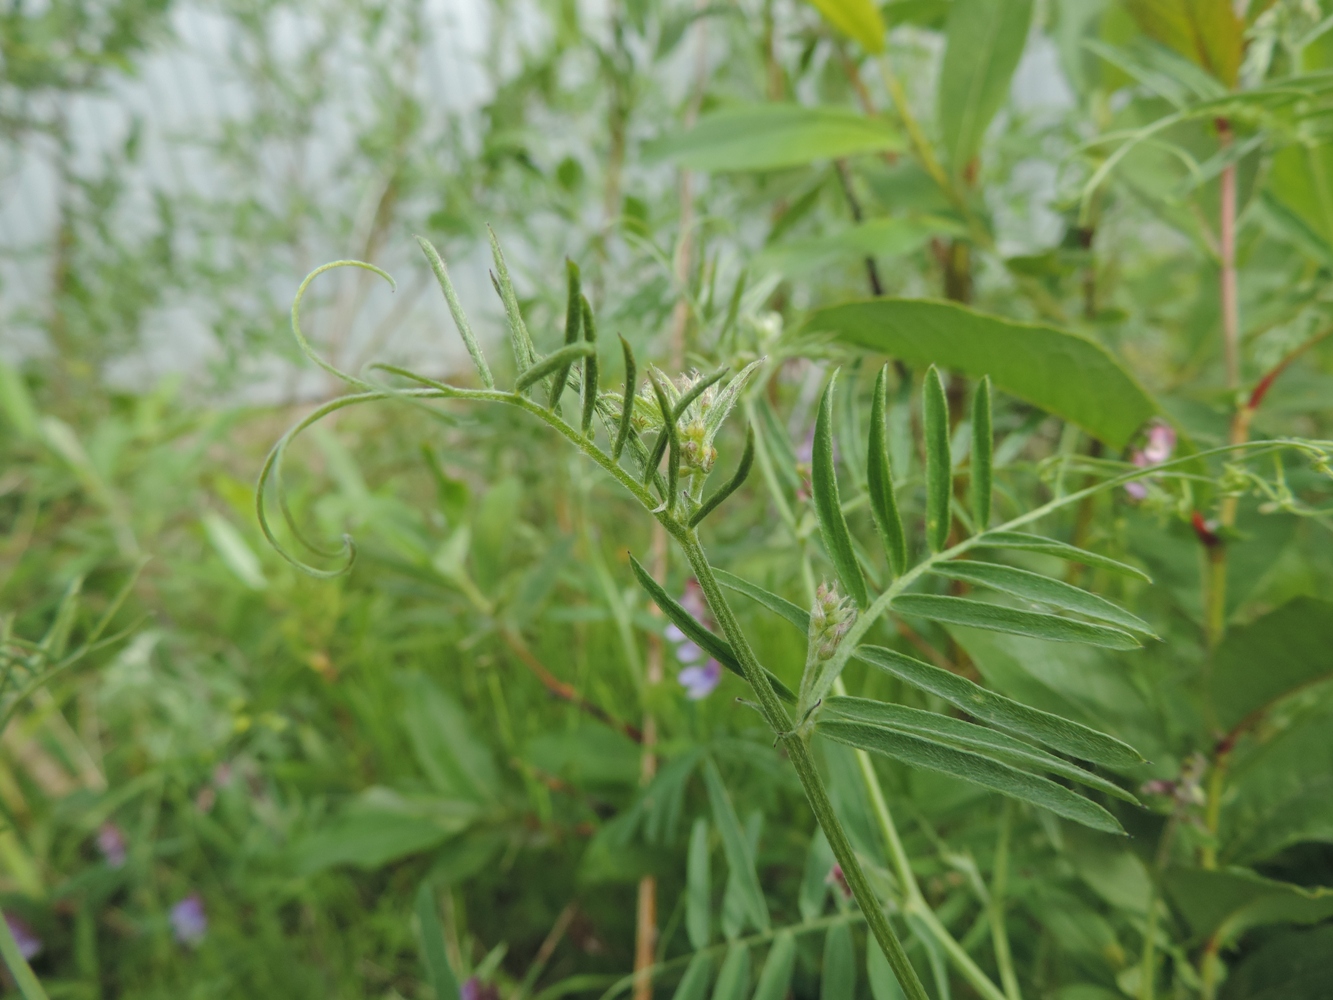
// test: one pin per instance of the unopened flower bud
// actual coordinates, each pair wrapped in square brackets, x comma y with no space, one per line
[830,619]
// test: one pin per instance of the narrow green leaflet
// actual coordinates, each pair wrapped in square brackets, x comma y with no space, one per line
[918,751]
[1043,589]
[939,464]
[984,40]
[590,377]
[966,735]
[740,861]
[1060,734]
[828,505]
[715,646]
[524,354]
[997,618]
[627,400]
[1064,373]
[732,485]
[883,984]
[1050,547]
[456,311]
[879,476]
[556,362]
[1281,652]
[774,137]
[573,327]
[694,984]
[983,455]
[857,19]
[733,979]
[438,972]
[775,978]
[698,888]
[669,437]
[837,975]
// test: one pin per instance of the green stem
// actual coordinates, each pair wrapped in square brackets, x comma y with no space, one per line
[798,751]
[999,879]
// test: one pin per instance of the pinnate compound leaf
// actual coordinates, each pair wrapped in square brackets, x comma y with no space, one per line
[965,735]
[828,505]
[775,136]
[775,978]
[983,455]
[698,888]
[984,41]
[736,846]
[918,751]
[1064,373]
[1058,733]
[939,464]
[733,979]
[1272,656]
[694,984]
[1043,589]
[857,19]
[1023,542]
[433,955]
[879,476]
[837,977]
[997,618]
[714,645]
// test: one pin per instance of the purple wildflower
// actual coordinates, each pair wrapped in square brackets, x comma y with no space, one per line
[475,989]
[111,842]
[30,945]
[189,922]
[701,674]
[1157,449]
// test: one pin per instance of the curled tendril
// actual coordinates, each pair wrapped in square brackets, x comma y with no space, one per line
[301,338]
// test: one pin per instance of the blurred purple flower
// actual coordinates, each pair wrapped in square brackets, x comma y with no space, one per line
[111,842]
[836,878]
[474,989]
[189,922]
[701,674]
[1157,449]
[30,945]
[699,682]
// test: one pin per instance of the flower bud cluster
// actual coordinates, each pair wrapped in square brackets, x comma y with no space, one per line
[830,619]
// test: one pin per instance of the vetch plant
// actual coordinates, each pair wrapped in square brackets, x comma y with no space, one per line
[656,439]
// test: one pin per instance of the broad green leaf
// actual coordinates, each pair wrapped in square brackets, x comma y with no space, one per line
[694,984]
[997,618]
[966,735]
[879,477]
[556,362]
[939,464]
[984,41]
[716,647]
[1064,373]
[733,979]
[828,505]
[773,137]
[837,975]
[1060,734]
[1223,904]
[775,978]
[740,861]
[438,971]
[1302,182]
[1043,589]
[1291,966]
[1272,656]
[918,751]
[1024,542]
[883,983]
[983,455]
[449,751]
[380,827]
[857,19]
[698,887]
[1207,32]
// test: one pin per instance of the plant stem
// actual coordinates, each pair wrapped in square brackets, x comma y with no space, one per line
[999,879]
[798,751]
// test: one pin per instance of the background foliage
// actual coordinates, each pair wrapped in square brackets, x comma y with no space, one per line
[432,769]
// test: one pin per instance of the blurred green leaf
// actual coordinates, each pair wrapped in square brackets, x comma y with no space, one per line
[1207,32]
[828,505]
[694,984]
[984,42]
[983,456]
[1064,373]
[447,748]
[1221,905]
[775,978]
[1041,545]
[837,974]
[857,19]
[438,972]
[997,618]
[698,887]
[774,137]
[1296,965]
[733,979]
[234,551]
[740,860]
[382,826]
[883,983]
[939,464]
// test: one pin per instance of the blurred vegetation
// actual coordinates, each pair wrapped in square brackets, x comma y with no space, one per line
[444,749]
